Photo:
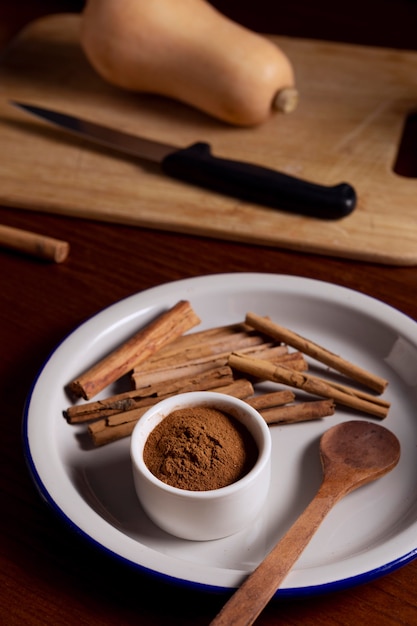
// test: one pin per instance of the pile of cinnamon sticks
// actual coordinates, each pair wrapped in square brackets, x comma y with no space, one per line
[164,359]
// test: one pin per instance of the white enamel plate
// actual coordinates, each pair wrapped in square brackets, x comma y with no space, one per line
[369,533]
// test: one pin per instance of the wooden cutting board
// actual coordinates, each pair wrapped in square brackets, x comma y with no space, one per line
[354,101]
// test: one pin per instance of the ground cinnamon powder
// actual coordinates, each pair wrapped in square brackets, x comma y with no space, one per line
[199,449]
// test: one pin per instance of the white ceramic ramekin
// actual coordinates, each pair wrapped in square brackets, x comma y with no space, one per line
[203,515]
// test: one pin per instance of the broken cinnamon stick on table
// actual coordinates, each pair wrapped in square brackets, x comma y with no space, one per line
[310,384]
[167,327]
[279,333]
[34,244]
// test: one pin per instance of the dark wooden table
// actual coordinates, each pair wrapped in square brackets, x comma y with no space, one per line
[48,575]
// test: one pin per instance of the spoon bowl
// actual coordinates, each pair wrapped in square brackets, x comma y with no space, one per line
[352,454]
[357,452]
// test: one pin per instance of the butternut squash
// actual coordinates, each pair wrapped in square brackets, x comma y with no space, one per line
[189,51]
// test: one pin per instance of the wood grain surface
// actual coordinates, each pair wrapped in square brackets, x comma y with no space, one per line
[49,575]
[348,127]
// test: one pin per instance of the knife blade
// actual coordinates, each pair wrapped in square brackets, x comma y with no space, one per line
[197,165]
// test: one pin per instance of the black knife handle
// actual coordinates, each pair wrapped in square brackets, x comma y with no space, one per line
[258,184]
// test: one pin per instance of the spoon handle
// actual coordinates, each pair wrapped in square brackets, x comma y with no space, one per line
[251,597]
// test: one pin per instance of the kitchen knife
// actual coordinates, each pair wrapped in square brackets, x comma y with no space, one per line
[197,165]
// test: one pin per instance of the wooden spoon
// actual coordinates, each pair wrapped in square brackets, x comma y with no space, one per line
[352,453]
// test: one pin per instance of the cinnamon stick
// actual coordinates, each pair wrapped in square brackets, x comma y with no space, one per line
[182,369]
[212,335]
[129,400]
[101,434]
[294,360]
[239,389]
[301,412]
[357,392]
[273,399]
[279,333]
[111,429]
[138,348]
[34,244]
[211,348]
[310,384]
